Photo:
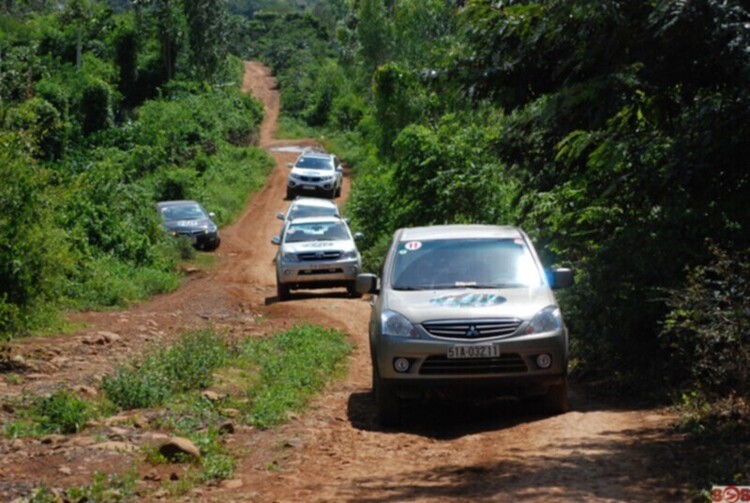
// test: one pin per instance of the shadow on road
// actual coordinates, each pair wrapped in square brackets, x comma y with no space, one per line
[306,295]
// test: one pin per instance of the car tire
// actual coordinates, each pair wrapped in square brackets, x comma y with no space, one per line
[387,406]
[289,194]
[556,400]
[282,291]
[214,246]
[352,290]
[338,192]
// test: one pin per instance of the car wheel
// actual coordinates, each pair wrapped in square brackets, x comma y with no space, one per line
[214,246]
[388,411]
[352,289]
[282,291]
[289,193]
[556,399]
[338,192]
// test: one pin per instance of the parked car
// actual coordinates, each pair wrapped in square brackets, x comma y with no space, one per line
[316,252]
[315,172]
[466,309]
[309,207]
[190,219]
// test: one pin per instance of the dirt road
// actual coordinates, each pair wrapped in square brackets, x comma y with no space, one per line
[335,451]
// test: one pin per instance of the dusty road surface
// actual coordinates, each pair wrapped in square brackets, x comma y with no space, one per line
[445,451]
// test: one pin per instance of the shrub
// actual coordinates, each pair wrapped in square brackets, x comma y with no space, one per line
[62,412]
[96,107]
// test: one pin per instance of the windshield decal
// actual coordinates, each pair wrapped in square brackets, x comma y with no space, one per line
[468,300]
[413,245]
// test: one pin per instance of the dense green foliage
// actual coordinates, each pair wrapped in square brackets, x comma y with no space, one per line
[612,132]
[102,114]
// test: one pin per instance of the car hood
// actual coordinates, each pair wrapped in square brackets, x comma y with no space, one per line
[426,305]
[312,172]
[186,225]
[322,246]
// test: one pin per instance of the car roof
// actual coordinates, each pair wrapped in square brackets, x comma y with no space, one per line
[314,201]
[182,202]
[459,231]
[313,220]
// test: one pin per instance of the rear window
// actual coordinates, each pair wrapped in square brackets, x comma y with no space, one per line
[465,263]
[325,231]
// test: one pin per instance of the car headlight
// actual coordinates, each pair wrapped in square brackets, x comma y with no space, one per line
[349,254]
[394,324]
[289,257]
[548,319]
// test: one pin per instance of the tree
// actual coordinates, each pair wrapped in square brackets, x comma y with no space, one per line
[207,21]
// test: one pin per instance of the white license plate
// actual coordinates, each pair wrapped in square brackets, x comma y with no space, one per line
[309,187]
[473,351]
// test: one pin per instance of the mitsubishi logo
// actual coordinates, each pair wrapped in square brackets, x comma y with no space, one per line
[472,332]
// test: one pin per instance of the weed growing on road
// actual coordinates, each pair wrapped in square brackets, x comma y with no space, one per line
[188,365]
[292,366]
[60,412]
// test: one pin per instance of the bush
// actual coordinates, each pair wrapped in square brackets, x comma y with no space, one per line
[96,107]
[62,412]
[707,331]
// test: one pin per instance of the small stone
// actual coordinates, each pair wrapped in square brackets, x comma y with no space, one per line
[86,390]
[115,446]
[174,476]
[211,396]
[228,412]
[110,337]
[176,446]
[54,439]
[83,441]
[140,422]
[232,484]
[293,442]
[153,476]
[64,470]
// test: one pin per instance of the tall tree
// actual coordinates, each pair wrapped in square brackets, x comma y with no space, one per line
[207,21]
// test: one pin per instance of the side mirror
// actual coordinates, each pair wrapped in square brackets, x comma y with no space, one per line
[289,165]
[280,216]
[358,235]
[561,278]
[276,240]
[367,283]
[346,221]
[211,214]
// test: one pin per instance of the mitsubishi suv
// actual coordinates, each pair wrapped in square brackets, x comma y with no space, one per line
[465,309]
[316,252]
[315,173]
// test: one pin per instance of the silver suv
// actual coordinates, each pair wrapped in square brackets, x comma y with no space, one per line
[465,309]
[315,172]
[316,252]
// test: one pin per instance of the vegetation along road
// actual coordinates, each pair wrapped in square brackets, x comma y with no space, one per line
[332,451]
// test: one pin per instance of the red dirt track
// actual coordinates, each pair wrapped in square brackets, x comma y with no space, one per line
[445,451]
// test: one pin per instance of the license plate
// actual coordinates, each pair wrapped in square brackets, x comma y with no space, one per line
[308,187]
[473,351]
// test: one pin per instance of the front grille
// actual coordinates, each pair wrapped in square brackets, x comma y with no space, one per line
[504,364]
[472,330]
[313,256]
[315,272]
[310,178]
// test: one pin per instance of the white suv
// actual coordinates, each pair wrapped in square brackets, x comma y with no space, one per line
[316,252]
[466,309]
[313,173]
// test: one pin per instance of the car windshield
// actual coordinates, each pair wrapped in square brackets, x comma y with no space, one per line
[300,211]
[464,263]
[182,212]
[314,163]
[316,231]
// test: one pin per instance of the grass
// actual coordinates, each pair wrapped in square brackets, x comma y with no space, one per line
[260,381]
[293,366]
[289,128]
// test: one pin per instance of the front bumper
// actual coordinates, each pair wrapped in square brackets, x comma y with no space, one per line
[201,239]
[319,274]
[310,187]
[515,371]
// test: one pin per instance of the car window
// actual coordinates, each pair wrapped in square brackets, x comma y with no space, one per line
[314,163]
[316,231]
[186,212]
[472,263]
[300,211]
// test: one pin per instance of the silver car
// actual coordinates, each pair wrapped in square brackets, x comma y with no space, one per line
[315,173]
[316,252]
[465,309]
